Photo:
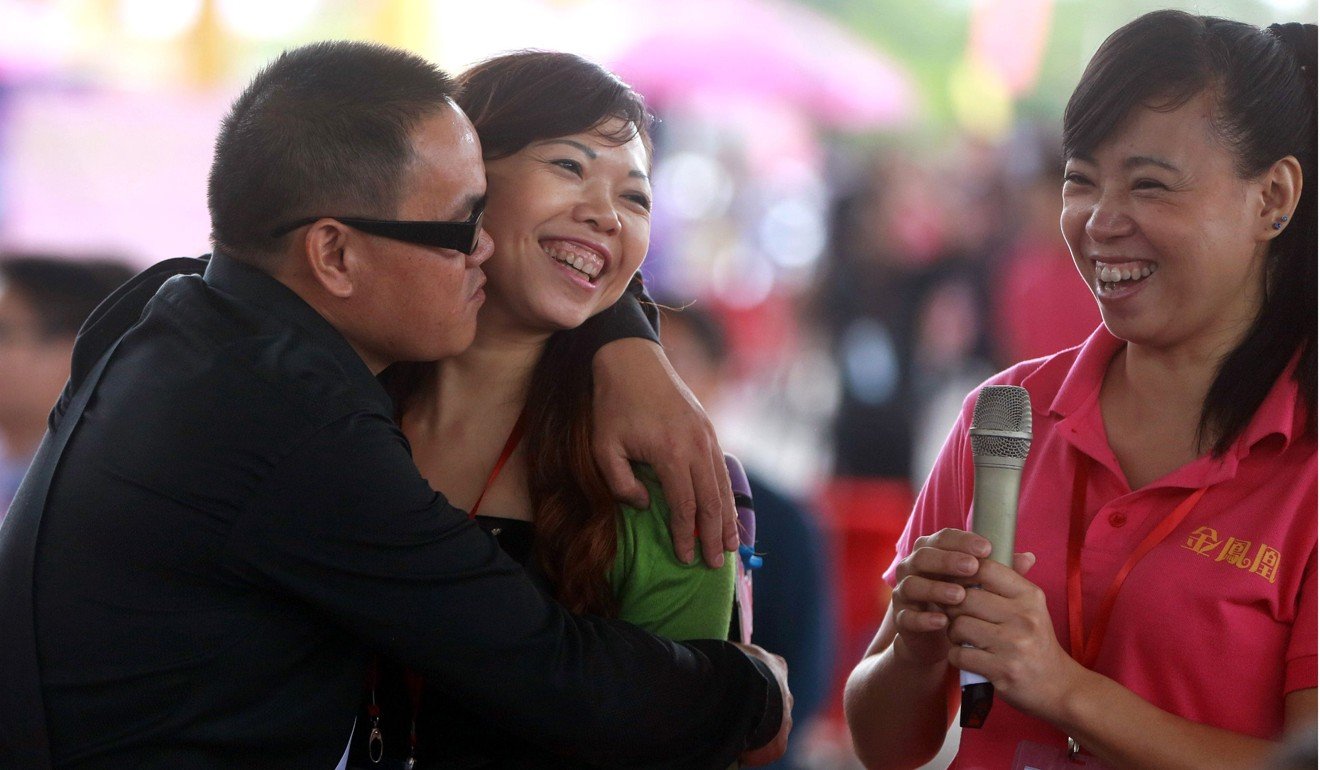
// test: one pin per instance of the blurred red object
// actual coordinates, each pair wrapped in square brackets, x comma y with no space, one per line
[863,519]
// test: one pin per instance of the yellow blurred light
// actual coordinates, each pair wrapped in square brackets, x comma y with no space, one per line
[982,104]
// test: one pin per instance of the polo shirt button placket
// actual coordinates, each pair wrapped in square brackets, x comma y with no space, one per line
[1117,519]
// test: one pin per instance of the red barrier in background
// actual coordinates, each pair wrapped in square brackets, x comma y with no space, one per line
[862,520]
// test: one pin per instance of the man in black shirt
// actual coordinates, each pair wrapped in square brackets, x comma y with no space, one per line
[237,521]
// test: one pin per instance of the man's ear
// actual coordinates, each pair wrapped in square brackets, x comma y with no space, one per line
[1281,189]
[323,251]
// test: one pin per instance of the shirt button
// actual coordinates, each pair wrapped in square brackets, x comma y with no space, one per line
[1117,519]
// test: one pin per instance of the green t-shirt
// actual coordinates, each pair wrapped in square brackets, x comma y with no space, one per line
[654,589]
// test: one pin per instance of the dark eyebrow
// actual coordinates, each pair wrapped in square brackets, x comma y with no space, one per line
[1146,160]
[1132,162]
[590,153]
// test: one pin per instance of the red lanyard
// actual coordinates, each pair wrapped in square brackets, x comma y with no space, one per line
[1086,649]
[510,444]
[412,679]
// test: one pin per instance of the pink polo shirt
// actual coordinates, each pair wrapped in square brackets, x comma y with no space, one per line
[1218,622]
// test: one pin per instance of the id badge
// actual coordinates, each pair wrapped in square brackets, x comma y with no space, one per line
[1038,756]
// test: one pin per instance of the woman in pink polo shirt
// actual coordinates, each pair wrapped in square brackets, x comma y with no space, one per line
[1162,609]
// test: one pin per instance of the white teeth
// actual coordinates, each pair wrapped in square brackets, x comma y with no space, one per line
[589,263]
[1107,274]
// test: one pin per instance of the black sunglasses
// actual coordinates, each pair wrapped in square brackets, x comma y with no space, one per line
[459,236]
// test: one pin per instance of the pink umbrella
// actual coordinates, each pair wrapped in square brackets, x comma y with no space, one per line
[697,51]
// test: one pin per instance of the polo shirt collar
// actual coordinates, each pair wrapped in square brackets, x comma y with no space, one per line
[1282,413]
[262,290]
[1075,381]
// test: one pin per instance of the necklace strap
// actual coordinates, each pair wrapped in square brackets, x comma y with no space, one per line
[510,444]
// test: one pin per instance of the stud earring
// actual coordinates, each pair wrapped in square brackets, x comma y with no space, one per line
[1279,224]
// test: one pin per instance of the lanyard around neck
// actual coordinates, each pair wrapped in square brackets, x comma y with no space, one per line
[510,444]
[414,681]
[1085,649]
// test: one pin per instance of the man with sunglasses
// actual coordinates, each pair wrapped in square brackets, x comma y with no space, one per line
[236,522]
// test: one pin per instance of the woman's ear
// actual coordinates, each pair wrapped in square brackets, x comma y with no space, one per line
[1281,189]
[323,251]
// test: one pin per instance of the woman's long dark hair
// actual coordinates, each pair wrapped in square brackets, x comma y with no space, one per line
[514,100]
[1264,86]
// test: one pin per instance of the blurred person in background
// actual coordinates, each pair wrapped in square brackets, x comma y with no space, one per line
[1162,611]
[1039,305]
[44,299]
[905,265]
[503,428]
[886,237]
[793,596]
[885,234]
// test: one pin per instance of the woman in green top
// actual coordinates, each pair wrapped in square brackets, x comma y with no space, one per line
[568,158]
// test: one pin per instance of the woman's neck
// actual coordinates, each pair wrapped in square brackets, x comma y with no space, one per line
[1151,401]
[460,421]
[490,378]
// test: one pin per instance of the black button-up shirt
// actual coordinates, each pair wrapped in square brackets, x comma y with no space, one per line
[238,520]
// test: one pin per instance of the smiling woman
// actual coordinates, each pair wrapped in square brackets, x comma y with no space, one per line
[504,427]
[1168,508]
[572,220]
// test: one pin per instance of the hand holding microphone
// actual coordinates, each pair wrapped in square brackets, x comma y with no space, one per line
[931,595]
[1000,437]
[1005,630]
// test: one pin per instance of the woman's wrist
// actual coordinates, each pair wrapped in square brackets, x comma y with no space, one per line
[1080,695]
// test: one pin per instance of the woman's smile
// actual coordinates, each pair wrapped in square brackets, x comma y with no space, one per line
[583,260]
[1116,279]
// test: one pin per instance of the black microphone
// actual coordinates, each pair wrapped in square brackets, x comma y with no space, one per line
[1001,436]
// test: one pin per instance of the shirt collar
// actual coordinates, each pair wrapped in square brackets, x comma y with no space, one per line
[1282,412]
[1075,380]
[263,290]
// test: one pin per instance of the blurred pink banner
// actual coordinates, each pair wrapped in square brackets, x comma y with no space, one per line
[119,172]
[699,52]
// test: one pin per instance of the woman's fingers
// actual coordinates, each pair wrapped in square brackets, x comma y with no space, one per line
[915,590]
[956,540]
[919,621]
[1006,581]
[933,560]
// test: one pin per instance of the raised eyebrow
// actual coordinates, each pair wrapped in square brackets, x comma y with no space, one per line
[640,175]
[590,153]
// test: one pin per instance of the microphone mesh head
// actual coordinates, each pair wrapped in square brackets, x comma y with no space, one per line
[1001,408]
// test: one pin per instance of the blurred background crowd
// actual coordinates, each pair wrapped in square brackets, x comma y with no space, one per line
[856,222]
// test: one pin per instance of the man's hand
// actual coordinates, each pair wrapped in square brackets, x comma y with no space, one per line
[775,749]
[643,411]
